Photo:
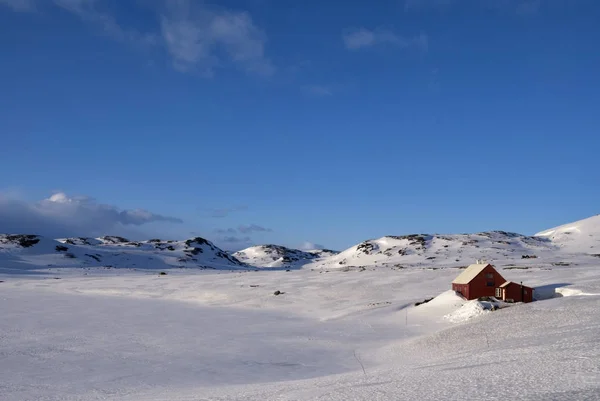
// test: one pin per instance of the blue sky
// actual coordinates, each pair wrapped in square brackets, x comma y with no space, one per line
[290,122]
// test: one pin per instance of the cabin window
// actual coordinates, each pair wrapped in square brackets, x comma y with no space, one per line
[498,292]
[489,275]
[490,283]
[525,292]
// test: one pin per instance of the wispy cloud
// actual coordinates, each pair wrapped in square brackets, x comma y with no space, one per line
[19,5]
[226,211]
[234,243]
[246,229]
[201,38]
[357,39]
[317,90]
[88,11]
[236,240]
[226,231]
[196,37]
[62,215]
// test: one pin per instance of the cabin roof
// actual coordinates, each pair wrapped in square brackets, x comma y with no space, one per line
[470,273]
[506,284]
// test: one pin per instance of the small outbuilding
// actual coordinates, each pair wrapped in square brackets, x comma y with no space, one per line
[514,292]
[483,280]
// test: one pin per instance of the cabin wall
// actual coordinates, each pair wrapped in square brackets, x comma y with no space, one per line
[513,292]
[485,283]
[462,289]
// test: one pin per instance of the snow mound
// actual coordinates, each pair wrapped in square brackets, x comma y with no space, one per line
[571,292]
[446,298]
[469,310]
[445,303]
[454,308]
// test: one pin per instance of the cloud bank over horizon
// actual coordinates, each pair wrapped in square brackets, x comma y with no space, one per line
[61,216]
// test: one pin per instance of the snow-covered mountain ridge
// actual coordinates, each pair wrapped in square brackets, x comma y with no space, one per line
[32,251]
[279,256]
[563,245]
[442,250]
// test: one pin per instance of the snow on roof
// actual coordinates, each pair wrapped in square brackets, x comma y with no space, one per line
[470,273]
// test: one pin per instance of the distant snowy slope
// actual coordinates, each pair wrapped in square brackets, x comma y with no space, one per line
[440,250]
[34,252]
[279,256]
[571,244]
[582,236]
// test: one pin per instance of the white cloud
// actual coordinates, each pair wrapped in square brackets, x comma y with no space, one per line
[363,38]
[200,38]
[310,246]
[61,215]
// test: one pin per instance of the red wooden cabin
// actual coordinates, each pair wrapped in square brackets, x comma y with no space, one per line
[482,280]
[478,280]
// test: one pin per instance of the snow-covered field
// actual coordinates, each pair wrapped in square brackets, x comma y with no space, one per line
[333,333]
[224,335]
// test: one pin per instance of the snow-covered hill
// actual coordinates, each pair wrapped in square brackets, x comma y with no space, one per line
[573,243]
[582,236]
[280,256]
[442,250]
[32,251]
[570,244]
